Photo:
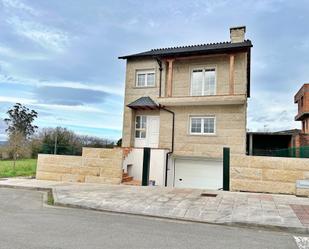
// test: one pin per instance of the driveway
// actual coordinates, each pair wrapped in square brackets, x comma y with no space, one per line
[25,223]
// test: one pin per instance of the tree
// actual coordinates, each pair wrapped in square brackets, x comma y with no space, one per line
[119,142]
[17,146]
[20,129]
[20,120]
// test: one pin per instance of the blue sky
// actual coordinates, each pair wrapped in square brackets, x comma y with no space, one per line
[60,57]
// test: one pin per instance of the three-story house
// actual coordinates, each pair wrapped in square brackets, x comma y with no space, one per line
[191,100]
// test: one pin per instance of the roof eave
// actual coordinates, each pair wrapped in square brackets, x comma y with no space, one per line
[190,53]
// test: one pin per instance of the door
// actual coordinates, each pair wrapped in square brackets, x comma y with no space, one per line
[148,135]
[152,133]
[206,174]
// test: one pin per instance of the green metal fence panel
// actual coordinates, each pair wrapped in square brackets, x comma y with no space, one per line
[300,152]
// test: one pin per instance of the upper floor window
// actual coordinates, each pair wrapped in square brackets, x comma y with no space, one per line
[145,78]
[203,82]
[202,125]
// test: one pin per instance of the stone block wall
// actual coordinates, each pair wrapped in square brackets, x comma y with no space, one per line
[94,166]
[267,174]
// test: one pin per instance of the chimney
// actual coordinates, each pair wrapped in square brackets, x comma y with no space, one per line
[237,34]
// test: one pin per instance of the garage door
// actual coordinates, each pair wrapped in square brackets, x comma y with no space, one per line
[198,173]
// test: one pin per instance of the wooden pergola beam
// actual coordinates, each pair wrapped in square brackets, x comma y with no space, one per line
[169,82]
[232,74]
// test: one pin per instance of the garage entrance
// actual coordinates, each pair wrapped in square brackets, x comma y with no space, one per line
[199,173]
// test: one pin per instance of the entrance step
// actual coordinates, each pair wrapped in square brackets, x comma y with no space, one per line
[133,183]
[127,178]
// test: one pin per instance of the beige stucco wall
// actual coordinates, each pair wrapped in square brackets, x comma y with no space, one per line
[267,174]
[94,166]
[230,119]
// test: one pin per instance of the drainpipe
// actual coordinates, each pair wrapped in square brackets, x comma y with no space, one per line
[159,61]
[172,150]
[160,75]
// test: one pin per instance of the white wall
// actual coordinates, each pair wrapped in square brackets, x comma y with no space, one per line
[157,164]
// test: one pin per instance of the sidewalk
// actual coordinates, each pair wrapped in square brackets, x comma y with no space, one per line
[285,212]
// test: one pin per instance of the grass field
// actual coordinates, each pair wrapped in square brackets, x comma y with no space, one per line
[24,167]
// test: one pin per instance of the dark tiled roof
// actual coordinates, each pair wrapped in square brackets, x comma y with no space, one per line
[143,103]
[192,50]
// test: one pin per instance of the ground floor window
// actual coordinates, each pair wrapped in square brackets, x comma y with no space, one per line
[140,126]
[202,125]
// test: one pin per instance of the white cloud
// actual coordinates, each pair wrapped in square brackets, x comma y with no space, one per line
[3,137]
[275,112]
[47,37]
[17,100]
[6,51]
[77,85]
[18,5]
[69,84]
[34,103]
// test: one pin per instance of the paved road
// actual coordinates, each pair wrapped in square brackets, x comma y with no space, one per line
[26,223]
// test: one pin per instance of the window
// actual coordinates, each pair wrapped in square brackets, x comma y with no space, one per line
[202,125]
[203,82]
[145,78]
[140,126]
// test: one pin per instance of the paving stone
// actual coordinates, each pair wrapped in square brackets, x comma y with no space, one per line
[250,208]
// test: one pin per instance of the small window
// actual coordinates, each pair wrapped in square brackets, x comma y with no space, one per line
[140,126]
[145,78]
[203,82]
[202,125]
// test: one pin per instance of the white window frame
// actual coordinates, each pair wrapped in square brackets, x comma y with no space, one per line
[203,85]
[140,129]
[146,72]
[202,117]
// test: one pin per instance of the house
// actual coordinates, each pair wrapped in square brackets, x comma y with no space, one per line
[302,100]
[192,102]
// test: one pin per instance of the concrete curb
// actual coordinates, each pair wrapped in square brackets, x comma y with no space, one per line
[276,228]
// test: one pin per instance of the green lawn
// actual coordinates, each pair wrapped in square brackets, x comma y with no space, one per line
[24,167]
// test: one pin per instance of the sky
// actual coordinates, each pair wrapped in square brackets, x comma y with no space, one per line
[61,57]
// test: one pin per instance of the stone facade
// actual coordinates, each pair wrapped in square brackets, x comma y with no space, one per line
[230,118]
[94,166]
[267,174]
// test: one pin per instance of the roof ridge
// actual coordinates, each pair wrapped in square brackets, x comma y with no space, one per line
[191,46]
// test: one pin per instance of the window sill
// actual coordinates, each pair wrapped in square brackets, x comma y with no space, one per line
[203,134]
[143,87]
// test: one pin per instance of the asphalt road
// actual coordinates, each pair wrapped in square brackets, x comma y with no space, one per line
[26,223]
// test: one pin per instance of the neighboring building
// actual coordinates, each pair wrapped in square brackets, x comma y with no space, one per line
[284,143]
[271,143]
[302,99]
[191,100]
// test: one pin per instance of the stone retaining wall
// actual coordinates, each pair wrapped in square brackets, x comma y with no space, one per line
[94,166]
[267,174]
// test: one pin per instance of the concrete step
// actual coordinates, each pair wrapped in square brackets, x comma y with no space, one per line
[133,183]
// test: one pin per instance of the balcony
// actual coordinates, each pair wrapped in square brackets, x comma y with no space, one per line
[236,99]
[301,115]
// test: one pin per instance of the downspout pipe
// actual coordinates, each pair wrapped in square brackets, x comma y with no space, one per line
[159,61]
[172,150]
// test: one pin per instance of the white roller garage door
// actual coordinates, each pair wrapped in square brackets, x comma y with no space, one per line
[205,174]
